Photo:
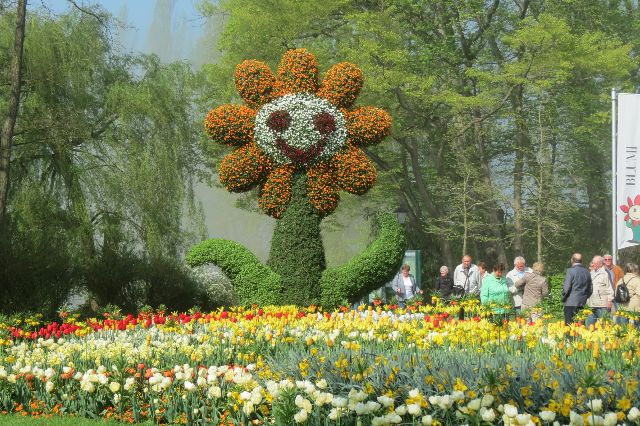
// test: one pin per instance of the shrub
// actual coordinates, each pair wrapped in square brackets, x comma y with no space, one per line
[215,287]
[252,281]
[38,266]
[552,304]
[368,271]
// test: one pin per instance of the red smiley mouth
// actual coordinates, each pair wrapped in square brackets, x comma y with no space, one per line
[302,156]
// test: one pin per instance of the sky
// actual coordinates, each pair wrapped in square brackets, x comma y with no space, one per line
[171,29]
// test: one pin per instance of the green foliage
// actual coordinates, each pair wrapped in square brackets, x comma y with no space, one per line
[368,271]
[124,279]
[461,80]
[19,420]
[105,157]
[297,252]
[252,281]
[552,304]
[36,268]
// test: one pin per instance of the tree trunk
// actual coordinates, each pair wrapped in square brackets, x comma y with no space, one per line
[491,212]
[297,253]
[6,134]
[518,169]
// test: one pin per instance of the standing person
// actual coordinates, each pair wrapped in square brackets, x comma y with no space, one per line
[534,288]
[601,298]
[632,280]
[466,276]
[482,272]
[404,284]
[444,283]
[615,275]
[615,272]
[518,271]
[495,290]
[577,288]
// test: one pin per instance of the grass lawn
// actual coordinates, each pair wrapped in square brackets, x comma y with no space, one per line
[16,420]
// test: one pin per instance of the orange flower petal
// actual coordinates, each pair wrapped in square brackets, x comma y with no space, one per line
[255,82]
[244,168]
[275,194]
[297,72]
[367,126]
[355,173]
[341,84]
[230,124]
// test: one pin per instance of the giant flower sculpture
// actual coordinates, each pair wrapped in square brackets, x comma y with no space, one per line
[292,124]
[300,142]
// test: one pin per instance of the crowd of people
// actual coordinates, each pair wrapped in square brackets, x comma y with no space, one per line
[602,287]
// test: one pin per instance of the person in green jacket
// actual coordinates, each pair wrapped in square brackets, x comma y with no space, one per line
[495,290]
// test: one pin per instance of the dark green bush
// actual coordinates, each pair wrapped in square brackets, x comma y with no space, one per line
[552,304]
[368,271]
[37,267]
[169,283]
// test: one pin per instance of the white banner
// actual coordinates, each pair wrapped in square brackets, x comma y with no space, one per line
[628,177]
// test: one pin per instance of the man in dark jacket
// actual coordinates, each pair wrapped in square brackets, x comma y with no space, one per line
[577,288]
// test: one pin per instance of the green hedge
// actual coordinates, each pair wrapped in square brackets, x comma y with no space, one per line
[368,271]
[253,282]
[552,304]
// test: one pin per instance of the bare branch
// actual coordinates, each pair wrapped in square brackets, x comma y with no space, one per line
[89,12]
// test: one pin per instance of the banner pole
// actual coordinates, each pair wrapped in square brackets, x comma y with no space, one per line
[614,177]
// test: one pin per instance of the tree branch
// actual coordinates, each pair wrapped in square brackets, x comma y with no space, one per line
[88,12]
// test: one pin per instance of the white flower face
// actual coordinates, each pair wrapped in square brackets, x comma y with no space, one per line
[300,129]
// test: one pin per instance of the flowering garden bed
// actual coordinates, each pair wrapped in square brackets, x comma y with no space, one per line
[285,365]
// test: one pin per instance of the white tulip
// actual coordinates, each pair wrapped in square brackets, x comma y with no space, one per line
[385,400]
[523,419]
[610,419]
[427,420]
[510,410]
[487,400]
[488,415]
[595,405]
[301,416]
[401,410]
[214,392]
[474,404]
[414,410]
[547,416]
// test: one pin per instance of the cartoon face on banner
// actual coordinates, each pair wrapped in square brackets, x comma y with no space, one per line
[632,217]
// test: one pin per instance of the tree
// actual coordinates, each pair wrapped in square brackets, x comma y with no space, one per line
[464,80]
[112,144]
[8,124]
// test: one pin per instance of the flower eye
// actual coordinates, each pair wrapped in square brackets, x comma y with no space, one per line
[279,121]
[324,123]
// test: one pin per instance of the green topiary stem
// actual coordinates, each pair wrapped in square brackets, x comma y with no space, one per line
[297,253]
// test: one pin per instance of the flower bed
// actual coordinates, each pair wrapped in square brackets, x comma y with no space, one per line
[284,365]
